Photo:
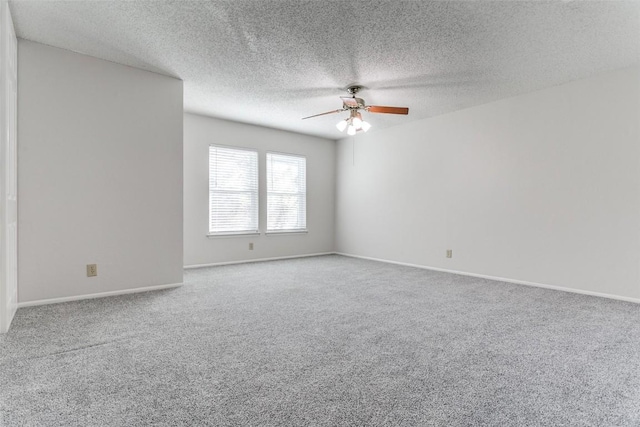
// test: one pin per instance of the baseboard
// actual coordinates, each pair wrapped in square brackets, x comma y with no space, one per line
[97,295]
[188,267]
[501,279]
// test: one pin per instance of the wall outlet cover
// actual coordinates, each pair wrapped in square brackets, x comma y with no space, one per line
[92,270]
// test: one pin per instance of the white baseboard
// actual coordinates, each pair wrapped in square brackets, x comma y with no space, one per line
[188,267]
[97,295]
[501,279]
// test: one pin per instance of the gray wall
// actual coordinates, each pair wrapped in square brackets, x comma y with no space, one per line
[541,188]
[199,133]
[100,175]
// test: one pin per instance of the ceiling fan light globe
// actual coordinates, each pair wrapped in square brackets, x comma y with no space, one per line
[351,130]
[365,126]
[357,122]
[341,125]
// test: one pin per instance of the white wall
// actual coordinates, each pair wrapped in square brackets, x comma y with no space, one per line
[8,169]
[100,175]
[199,133]
[543,187]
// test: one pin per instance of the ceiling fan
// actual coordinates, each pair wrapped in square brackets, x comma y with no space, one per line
[354,123]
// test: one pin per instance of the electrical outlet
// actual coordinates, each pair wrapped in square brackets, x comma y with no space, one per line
[449,253]
[92,270]
[251,246]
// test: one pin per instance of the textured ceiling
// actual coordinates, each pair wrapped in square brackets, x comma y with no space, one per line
[271,62]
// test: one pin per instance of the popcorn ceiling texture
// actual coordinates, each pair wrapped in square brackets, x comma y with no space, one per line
[273,62]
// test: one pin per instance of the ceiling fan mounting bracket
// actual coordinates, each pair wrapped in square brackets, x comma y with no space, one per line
[353,90]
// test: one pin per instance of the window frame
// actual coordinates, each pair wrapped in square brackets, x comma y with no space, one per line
[285,231]
[237,233]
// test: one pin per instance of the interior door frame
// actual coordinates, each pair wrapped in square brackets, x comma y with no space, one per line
[8,169]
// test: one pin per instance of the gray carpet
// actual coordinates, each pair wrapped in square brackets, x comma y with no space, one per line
[325,341]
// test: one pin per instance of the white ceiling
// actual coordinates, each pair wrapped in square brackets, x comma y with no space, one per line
[272,62]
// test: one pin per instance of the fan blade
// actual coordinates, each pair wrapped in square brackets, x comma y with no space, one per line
[387,110]
[349,101]
[323,114]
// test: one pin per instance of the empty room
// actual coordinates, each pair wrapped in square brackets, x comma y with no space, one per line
[319,213]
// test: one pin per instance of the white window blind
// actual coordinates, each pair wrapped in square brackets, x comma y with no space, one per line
[286,192]
[233,190]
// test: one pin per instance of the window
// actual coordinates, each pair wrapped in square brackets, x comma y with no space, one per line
[286,192]
[233,190]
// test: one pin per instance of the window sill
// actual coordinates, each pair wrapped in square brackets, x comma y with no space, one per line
[233,234]
[275,233]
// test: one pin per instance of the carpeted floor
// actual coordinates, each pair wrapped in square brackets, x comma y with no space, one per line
[325,341]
